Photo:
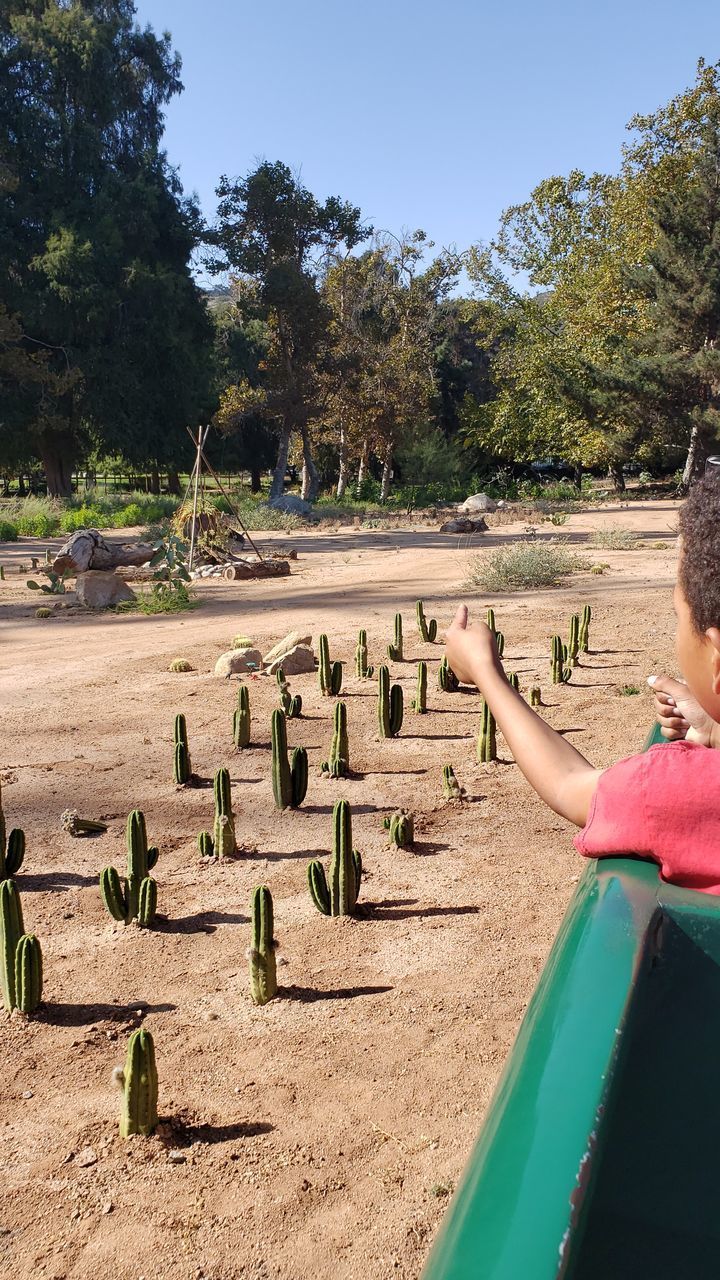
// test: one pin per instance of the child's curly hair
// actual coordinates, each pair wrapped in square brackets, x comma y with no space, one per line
[699,569]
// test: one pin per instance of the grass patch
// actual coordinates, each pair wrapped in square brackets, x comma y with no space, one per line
[160,599]
[523,565]
[628,690]
[617,539]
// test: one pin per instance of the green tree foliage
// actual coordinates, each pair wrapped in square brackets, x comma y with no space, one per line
[95,237]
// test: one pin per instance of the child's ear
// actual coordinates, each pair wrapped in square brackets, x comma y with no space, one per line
[713,635]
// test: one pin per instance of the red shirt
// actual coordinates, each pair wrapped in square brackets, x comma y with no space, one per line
[664,805]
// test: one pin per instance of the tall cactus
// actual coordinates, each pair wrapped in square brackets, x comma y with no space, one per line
[362,670]
[584,637]
[486,744]
[426,626]
[12,848]
[451,787]
[289,778]
[139,1083]
[499,637]
[561,670]
[241,719]
[182,767]
[395,650]
[401,827]
[329,674]
[135,898]
[390,705]
[419,702]
[291,705]
[28,973]
[224,839]
[263,970]
[338,764]
[338,896]
[11,931]
[573,644]
[447,680]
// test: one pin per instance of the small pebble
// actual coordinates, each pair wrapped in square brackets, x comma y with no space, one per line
[108,1207]
[27,1093]
[177,1157]
[86,1157]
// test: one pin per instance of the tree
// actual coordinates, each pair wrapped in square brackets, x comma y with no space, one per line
[272,231]
[247,441]
[95,237]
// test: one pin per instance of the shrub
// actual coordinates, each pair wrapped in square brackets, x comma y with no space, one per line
[522,565]
[617,539]
[129,516]
[82,518]
[8,531]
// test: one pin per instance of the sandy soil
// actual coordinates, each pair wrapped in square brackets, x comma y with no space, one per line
[319,1136]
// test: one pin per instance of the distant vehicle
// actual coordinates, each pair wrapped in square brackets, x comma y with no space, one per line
[632,468]
[552,469]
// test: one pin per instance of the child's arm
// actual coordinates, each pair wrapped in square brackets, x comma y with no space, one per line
[563,778]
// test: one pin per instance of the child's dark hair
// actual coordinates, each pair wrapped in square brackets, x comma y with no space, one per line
[699,570]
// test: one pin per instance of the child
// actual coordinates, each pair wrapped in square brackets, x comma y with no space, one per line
[663,804]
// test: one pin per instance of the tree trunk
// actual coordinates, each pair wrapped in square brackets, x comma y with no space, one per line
[615,473]
[174,483]
[310,477]
[154,479]
[386,474]
[56,454]
[255,480]
[697,456]
[277,487]
[362,469]
[577,476]
[342,466]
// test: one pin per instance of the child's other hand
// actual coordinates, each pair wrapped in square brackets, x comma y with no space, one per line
[470,650]
[678,713]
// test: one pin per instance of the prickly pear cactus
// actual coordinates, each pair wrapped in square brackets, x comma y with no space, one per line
[11,931]
[241,719]
[263,972]
[427,628]
[447,680]
[338,763]
[28,973]
[486,744]
[139,1083]
[390,705]
[419,702]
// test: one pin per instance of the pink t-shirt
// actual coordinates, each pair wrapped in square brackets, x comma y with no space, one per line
[664,805]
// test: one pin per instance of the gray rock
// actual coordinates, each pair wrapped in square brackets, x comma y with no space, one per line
[235,661]
[294,662]
[99,589]
[464,526]
[289,642]
[290,503]
[476,503]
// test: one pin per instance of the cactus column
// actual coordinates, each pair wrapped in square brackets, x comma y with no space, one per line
[447,680]
[329,674]
[419,702]
[362,670]
[339,896]
[339,762]
[426,627]
[139,1083]
[241,719]
[486,745]
[224,839]
[584,637]
[11,931]
[182,770]
[561,671]
[289,779]
[573,644]
[390,705]
[263,971]
[395,650]
[136,897]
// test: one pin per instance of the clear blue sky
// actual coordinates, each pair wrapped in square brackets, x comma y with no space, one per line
[434,115]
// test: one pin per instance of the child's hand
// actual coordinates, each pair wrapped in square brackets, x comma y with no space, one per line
[470,650]
[678,713]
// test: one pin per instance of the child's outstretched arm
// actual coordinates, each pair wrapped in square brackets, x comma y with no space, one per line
[562,777]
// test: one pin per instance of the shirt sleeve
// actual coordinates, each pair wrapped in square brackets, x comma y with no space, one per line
[617,821]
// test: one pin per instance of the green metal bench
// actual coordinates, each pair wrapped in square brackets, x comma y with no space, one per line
[599,1158]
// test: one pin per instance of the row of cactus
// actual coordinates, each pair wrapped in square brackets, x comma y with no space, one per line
[241,719]
[336,893]
[486,741]
[447,680]
[21,967]
[419,702]
[401,828]
[395,650]
[426,626]
[362,670]
[499,637]
[135,897]
[329,673]
[289,778]
[338,764]
[290,704]
[182,766]
[12,848]
[559,665]
[390,705]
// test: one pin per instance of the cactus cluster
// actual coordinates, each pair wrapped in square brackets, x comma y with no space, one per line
[573,644]
[559,666]
[486,744]
[241,719]
[181,664]
[362,670]
[139,1084]
[419,702]
[584,637]
[395,650]
[135,898]
[289,778]
[499,637]
[338,894]
[263,970]
[182,767]
[338,764]
[426,626]
[12,848]
[401,828]
[329,673]
[21,967]
[535,695]
[451,787]
[390,705]
[290,704]
[447,680]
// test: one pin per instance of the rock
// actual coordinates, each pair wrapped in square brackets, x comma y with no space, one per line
[476,503]
[86,1157]
[464,526]
[97,589]
[87,549]
[290,503]
[237,660]
[290,641]
[294,662]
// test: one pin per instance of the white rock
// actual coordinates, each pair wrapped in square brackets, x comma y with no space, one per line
[295,662]
[237,660]
[477,502]
[99,589]
[284,646]
[291,503]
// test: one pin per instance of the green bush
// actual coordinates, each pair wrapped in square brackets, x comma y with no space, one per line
[38,526]
[129,516]
[523,565]
[8,531]
[82,518]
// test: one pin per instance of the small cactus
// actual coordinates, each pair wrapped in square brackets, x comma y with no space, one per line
[426,627]
[447,680]
[139,1083]
[362,670]
[535,695]
[223,836]
[291,705]
[451,787]
[241,719]
[338,764]
[135,898]
[329,674]
[182,767]
[514,681]
[181,664]
[395,650]
[43,612]
[206,848]
[11,931]
[486,744]
[390,705]
[289,778]
[499,637]
[28,973]
[573,643]
[263,972]
[419,702]
[2,572]
[241,642]
[338,896]
[584,637]
[401,828]
[561,670]
[12,851]
[71,822]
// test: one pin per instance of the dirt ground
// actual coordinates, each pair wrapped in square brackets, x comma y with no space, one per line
[319,1136]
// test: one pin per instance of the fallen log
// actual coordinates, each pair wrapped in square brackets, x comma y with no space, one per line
[86,549]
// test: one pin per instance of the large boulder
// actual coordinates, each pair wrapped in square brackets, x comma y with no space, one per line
[477,503]
[464,526]
[236,661]
[97,589]
[294,663]
[286,644]
[291,504]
